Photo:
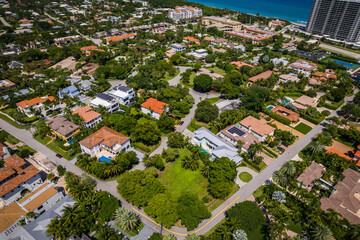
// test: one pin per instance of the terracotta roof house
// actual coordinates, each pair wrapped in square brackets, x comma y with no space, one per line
[119,38]
[9,216]
[105,139]
[239,64]
[191,39]
[288,46]
[331,150]
[154,107]
[6,83]
[37,104]
[63,128]
[286,113]
[311,173]
[317,78]
[90,117]
[288,77]
[304,102]
[219,41]
[259,128]
[303,66]
[346,199]
[212,74]
[264,75]
[17,176]
[234,134]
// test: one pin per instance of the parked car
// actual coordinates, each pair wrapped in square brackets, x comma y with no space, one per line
[181,123]
[59,156]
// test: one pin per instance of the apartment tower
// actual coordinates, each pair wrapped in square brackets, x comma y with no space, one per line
[339,19]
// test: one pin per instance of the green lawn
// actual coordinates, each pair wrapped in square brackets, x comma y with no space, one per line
[191,82]
[12,140]
[213,100]
[178,179]
[10,121]
[53,146]
[245,177]
[218,70]
[21,148]
[44,140]
[303,128]
[167,77]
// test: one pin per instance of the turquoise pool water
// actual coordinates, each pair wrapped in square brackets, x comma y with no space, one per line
[71,142]
[105,159]
[286,101]
[270,108]
[203,150]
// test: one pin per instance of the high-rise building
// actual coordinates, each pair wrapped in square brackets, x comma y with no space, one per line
[184,12]
[340,19]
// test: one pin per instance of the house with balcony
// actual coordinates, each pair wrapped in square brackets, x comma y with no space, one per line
[303,66]
[63,128]
[259,128]
[215,146]
[28,107]
[233,134]
[154,107]
[123,95]
[70,91]
[89,116]
[104,140]
[104,100]
[177,47]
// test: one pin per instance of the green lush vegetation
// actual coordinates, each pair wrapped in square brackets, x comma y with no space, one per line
[303,128]
[245,177]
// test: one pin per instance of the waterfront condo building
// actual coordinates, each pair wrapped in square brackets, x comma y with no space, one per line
[184,12]
[339,19]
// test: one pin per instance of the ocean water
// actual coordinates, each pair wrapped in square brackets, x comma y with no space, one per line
[292,10]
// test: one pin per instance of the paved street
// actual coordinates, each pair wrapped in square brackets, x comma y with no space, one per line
[4,22]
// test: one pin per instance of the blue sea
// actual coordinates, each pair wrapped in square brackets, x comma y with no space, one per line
[292,10]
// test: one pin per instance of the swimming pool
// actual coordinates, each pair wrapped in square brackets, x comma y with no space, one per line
[270,108]
[71,142]
[105,159]
[345,64]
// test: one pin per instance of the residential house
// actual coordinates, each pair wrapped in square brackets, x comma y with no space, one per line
[17,177]
[304,102]
[317,78]
[123,95]
[63,128]
[104,100]
[264,75]
[35,104]
[215,146]
[38,202]
[234,134]
[346,198]
[275,23]
[198,54]
[259,128]
[88,49]
[177,47]
[36,229]
[119,38]
[191,40]
[290,46]
[280,61]
[6,84]
[154,107]
[219,41]
[70,91]
[15,64]
[289,77]
[222,24]
[311,173]
[303,66]
[105,139]
[212,74]
[286,113]
[89,116]
[4,152]
[239,64]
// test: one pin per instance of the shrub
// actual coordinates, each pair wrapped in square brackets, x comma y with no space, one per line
[206,199]
[278,117]
[273,143]
[268,118]
[326,112]
[61,170]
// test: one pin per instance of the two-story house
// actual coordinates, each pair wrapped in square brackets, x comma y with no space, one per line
[104,100]
[35,104]
[259,128]
[89,116]
[123,95]
[63,128]
[154,107]
[70,91]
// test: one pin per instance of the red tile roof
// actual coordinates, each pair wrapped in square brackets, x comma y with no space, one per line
[155,105]
[331,151]
[106,136]
[120,38]
[240,64]
[264,75]
[29,103]
[86,113]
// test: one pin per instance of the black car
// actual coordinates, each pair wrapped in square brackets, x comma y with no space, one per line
[59,156]
[181,123]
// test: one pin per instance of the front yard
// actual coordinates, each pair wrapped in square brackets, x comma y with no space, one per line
[303,128]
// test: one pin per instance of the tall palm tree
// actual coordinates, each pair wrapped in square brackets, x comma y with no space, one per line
[315,147]
[225,231]
[254,149]
[205,170]
[277,230]
[280,178]
[147,161]
[192,237]
[190,163]
[289,169]
[354,232]
[107,233]
[322,232]
[332,216]
[169,237]
[126,219]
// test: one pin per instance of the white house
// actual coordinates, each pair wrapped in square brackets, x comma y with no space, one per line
[303,66]
[154,107]
[215,146]
[177,47]
[123,95]
[90,117]
[102,99]
[36,104]
[104,140]
[198,54]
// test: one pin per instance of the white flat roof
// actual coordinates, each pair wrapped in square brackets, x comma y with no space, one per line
[101,102]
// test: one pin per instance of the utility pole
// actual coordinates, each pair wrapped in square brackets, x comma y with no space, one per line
[160,229]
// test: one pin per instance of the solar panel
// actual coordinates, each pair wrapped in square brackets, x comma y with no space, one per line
[237,131]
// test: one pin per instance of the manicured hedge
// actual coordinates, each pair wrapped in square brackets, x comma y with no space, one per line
[313,120]
[252,164]
[279,118]
[269,151]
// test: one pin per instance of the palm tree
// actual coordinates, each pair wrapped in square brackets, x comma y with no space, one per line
[107,233]
[315,147]
[280,178]
[254,149]
[190,163]
[332,216]
[354,232]
[225,232]
[192,237]
[289,169]
[169,237]
[277,230]
[126,219]
[205,170]
[322,232]
[147,161]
